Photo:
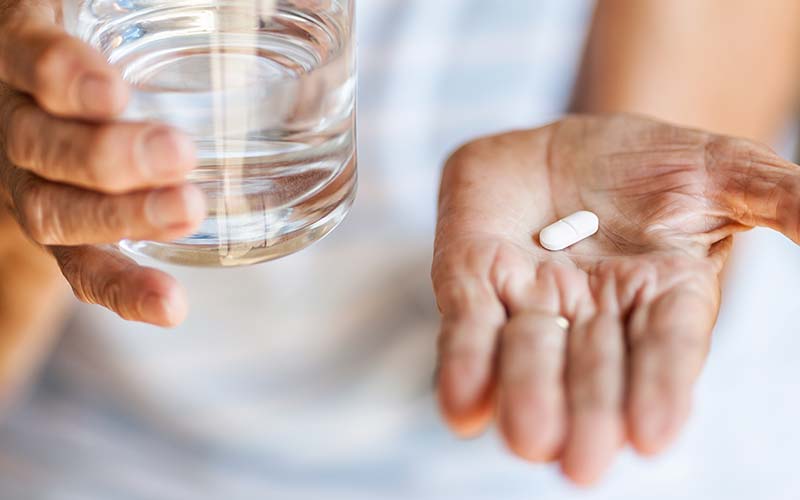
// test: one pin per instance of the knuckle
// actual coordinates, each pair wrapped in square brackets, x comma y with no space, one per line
[596,358]
[11,21]
[458,295]
[55,157]
[599,360]
[15,143]
[110,217]
[72,270]
[51,62]
[102,140]
[99,152]
[534,333]
[594,400]
[110,294]
[32,204]
[683,340]
[107,292]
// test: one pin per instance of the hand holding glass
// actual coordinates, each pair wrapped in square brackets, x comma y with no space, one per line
[266,89]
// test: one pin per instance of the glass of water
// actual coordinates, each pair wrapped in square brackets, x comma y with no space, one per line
[266,89]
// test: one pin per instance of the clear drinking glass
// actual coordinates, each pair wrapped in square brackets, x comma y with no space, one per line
[266,88]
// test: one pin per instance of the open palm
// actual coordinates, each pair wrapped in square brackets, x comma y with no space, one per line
[641,296]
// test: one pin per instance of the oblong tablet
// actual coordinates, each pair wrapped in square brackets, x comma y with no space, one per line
[569,230]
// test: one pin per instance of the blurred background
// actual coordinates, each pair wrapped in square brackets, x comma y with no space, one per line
[312,377]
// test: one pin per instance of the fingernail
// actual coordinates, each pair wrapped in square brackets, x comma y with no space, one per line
[166,153]
[166,311]
[173,208]
[97,96]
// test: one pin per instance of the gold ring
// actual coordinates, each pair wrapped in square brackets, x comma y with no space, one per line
[562,323]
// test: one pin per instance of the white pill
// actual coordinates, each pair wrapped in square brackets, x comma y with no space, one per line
[569,230]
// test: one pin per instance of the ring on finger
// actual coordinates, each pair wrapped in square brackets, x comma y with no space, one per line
[562,322]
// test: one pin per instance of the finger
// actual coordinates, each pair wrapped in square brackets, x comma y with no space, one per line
[754,185]
[55,214]
[473,237]
[595,388]
[113,157]
[63,74]
[531,402]
[669,342]
[472,318]
[106,277]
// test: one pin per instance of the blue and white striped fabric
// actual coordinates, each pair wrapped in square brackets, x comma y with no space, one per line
[310,378]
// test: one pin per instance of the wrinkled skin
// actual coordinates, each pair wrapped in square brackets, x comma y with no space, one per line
[642,295]
[75,179]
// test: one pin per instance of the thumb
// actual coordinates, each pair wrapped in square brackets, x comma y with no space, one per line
[64,75]
[104,276]
[754,185]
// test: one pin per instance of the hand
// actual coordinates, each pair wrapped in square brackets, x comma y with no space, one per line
[74,179]
[641,296]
